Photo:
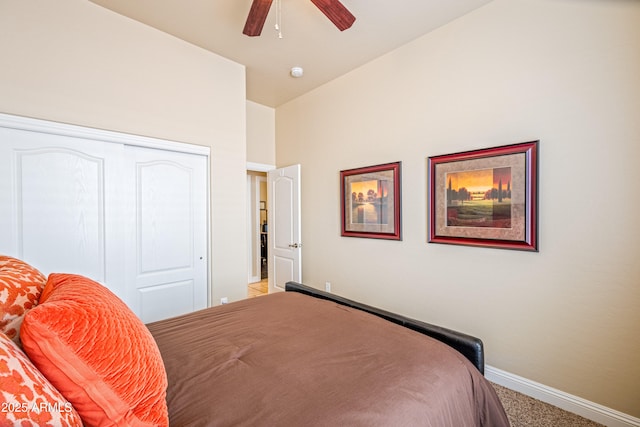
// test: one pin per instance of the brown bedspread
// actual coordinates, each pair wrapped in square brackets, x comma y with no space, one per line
[288,359]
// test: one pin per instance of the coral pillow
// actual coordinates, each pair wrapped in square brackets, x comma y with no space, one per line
[97,353]
[27,397]
[20,287]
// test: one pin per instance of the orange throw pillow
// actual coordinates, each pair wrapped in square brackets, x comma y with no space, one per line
[27,398]
[97,353]
[20,287]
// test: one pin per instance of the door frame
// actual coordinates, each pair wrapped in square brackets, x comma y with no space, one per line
[254,225]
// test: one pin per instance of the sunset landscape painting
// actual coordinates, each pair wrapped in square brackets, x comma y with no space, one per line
[369,202]
[479,198]
[485,198]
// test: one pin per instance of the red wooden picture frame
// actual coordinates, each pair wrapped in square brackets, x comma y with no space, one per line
[486,197]
[370,202]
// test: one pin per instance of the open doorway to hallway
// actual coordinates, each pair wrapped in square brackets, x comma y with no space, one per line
[258,232]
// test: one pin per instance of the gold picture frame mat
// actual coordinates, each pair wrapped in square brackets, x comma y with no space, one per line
[517,231]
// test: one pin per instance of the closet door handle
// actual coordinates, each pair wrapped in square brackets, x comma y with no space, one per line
[295,245]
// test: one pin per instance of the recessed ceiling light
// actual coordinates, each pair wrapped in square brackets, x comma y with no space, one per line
[297,72]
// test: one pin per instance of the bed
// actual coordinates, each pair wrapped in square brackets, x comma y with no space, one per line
[73,354]
[309,358]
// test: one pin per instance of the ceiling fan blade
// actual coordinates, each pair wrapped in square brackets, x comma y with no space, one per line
[336,12]
[256,18]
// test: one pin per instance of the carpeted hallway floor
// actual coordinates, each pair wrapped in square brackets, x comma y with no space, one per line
[525,411]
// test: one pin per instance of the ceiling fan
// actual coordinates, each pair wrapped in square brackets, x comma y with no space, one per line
[333,9]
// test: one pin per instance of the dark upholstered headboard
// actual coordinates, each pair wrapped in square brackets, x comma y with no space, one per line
[471,347]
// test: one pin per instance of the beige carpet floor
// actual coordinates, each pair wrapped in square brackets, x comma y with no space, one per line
[525,411]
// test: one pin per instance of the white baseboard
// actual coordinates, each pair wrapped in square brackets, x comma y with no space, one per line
[592,411]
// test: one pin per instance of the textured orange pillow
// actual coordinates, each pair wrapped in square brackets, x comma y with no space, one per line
[97,353]
[20,287]
[27,398]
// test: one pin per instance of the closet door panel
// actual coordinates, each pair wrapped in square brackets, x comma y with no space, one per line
[61,209]
[60,198]
[153,300]
[167,237]
[165,218]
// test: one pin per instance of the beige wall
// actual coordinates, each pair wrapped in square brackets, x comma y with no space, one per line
[261,134]
[564,72]
[72,61]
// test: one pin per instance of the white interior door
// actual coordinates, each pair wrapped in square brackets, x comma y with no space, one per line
[285,245]
[58,200]
[166,250]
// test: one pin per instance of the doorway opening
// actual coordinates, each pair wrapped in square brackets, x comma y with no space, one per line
[258,233]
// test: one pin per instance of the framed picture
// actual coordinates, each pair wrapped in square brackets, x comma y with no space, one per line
[370,201]
[486,197]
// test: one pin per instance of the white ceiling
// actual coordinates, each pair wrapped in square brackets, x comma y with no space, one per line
[309,40]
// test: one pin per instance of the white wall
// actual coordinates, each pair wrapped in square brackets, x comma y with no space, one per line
[564,72]
[75,62]
[261,134]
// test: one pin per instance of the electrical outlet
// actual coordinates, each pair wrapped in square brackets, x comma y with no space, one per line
[224,300]
[327,286]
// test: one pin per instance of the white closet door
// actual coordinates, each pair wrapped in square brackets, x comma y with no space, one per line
[57,204]
[166,233]
[95,203]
